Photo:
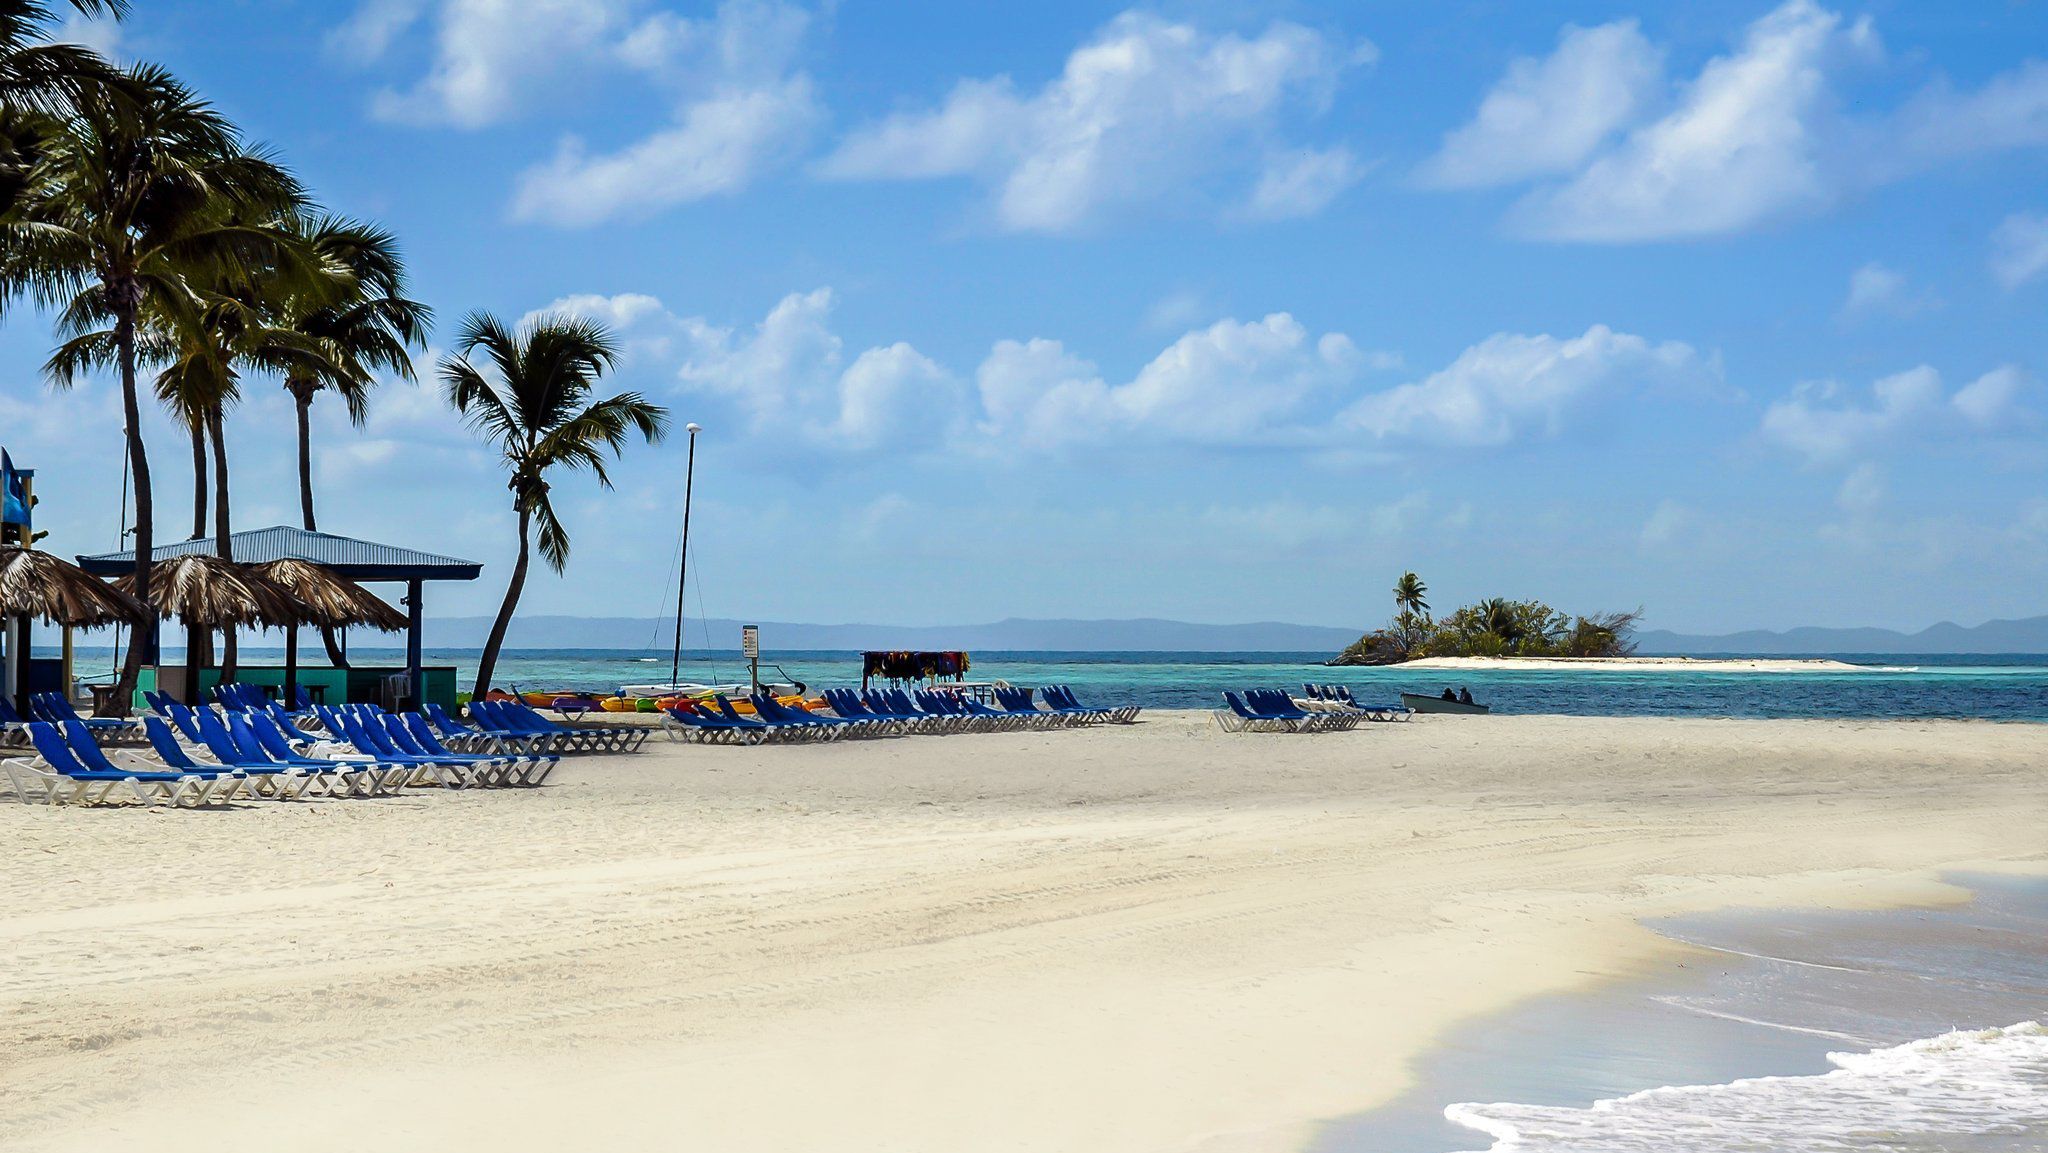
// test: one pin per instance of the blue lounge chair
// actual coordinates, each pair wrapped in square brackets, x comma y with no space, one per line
[497,769]
[530,768]
[449,772]
[56,709]
[233,743]
[501,723]
[277,782]
[775,712]
[707,728]
[1115,714]
[57,773]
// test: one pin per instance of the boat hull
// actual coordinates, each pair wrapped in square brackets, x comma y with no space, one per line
[1423,703]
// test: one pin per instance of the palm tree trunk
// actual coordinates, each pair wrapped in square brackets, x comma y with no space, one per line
[199,482]
[488,663]
[302,399]
[222,528]
[125,303]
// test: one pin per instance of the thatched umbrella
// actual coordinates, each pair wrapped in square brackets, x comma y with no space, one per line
[36,584]
[207,592]
[339,600]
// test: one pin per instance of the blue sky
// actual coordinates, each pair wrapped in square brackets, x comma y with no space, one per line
[1216,311]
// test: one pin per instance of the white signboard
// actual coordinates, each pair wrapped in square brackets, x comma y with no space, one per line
[750,641]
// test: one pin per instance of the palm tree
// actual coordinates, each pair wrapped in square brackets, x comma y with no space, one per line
[1409,598]
[532,400]
[143,191]
[1499,618]
[1410,594]
[360,322]
[37,75]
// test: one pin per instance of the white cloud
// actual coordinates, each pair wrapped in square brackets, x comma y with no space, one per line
[490,55]
[1273,383]
[1231,383]
[366,36]
[741,106]
[102,36]
[1862,491]
[1510,386]
[1668,522]
[2019,249]
[1545,117]
[1827,424]
[786,375]
[898,395]
[1146,111]
[2010,111]
[1283,525]
[722,145]
[1736,150]
[1761,133]
[1877,290]
[1303,183]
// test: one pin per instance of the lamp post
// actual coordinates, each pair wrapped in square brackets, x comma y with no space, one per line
[675,666]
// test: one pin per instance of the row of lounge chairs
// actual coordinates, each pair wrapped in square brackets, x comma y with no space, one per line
[495,726]
[1338,697]
[1270,710]
[55,709]
[882,713]
[200,757]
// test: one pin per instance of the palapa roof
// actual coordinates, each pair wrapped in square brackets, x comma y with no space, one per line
[340,600]
[204,590]
[50,588]
[359,560]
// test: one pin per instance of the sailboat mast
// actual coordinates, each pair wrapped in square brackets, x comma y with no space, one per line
[675,667]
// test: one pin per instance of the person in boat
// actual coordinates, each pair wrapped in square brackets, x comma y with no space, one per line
[1464,695]
[1449,695]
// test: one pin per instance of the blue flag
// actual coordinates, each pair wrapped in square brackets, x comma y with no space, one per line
[13,494]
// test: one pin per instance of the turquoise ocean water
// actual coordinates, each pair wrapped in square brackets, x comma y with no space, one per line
[1984,687]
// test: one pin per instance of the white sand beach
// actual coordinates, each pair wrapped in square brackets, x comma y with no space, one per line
[1647,664]
[1157,937]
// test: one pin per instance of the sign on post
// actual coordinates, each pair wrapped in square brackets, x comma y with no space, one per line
[750,641]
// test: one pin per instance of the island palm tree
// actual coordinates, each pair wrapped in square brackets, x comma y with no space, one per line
[1410,594]
[1409,599]
[1498,616]
[143,190]
[531,398]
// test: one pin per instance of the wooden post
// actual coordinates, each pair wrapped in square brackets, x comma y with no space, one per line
[416,678]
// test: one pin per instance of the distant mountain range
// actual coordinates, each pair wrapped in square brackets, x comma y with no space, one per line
[645,633]
[2029,635]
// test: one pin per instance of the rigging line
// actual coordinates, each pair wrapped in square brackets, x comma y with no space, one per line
[704,624]
[675,566]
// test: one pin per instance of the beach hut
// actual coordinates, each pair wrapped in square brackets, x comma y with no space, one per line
[366,562]
[336,599]
[38,586]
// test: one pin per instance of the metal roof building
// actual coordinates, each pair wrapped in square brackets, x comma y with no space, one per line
[358,560]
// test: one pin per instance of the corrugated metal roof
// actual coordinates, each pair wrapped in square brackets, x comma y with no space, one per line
[356,559]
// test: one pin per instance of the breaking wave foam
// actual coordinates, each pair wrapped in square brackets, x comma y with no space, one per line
[1985,1090]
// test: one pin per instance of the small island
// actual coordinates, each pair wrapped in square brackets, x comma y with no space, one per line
[1498,633]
